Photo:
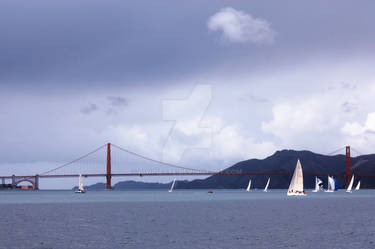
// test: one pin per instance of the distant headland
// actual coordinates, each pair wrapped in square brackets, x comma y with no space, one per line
[282,162]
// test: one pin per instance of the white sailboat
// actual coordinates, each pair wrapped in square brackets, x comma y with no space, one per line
[249,186]
[349,189]
[331,185]
[296,184]
[81,189]
[268,183]
[318,184]
[358,186]
[171,189]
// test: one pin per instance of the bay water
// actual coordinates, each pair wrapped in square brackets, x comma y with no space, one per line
[186,219]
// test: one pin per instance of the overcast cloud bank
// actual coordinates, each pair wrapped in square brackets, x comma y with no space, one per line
[297,76]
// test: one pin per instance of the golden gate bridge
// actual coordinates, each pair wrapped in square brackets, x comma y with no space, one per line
[183,171]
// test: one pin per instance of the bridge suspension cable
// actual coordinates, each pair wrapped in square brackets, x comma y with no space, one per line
[157,161]
[72,162]
[338,151]
[357,151]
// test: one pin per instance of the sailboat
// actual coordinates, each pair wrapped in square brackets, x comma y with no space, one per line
[249,186]
[318,184]
[296,184]
[332,185]
[268,183]
[171,189]
[358,186]
[349,189]
[80,190]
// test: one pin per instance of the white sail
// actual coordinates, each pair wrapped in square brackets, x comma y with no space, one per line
[349,189]
[174,181]
[331,184]
[268,183]
[358,185]
[316,185]
[80,186]
[249,186]
[320,182]
[296,184]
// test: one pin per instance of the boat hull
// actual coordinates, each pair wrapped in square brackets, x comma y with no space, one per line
[296,194]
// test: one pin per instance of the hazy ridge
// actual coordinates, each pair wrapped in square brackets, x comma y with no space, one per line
[280,162]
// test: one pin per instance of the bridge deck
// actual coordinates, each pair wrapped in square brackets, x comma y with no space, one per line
[140,174]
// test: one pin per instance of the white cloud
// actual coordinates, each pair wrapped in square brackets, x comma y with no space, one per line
[316,120]
[295,117]
[187,114]
[229,143]
[212,135]
[360,135]
[356,129]
[307,109]
[226,144]
[352,129]
[238,26]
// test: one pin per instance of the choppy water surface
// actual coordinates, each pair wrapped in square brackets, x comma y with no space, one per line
[186,219]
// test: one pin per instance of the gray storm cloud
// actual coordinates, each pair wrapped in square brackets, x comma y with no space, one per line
[117,101]
[64,66]
[89,109]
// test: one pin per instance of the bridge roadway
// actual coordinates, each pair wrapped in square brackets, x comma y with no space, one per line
[224,173]
[34,179]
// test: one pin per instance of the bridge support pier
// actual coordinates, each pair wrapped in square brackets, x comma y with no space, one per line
[3,180]
[109,175]
[14,181]
[347,167]
[36,182]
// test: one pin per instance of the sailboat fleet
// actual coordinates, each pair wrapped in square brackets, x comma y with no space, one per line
[295,186]
[265,188]
[349,189]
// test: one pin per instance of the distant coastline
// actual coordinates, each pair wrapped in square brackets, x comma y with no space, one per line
[282,162]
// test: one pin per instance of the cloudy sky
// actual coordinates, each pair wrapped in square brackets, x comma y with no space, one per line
[201,84]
